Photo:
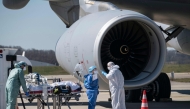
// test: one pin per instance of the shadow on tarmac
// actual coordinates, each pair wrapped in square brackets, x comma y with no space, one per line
[151,105]
[101,103]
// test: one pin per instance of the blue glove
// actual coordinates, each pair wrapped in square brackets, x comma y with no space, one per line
[104,73]
[27,94]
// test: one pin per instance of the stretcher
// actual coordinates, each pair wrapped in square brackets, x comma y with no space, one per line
[60,93]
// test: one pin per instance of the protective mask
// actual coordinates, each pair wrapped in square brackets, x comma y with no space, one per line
[24,68]
[95,72]
[109,68]
[95,76]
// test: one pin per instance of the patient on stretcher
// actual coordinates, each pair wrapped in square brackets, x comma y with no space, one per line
[72,86]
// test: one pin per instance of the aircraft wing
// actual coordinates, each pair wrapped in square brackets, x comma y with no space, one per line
[171,12]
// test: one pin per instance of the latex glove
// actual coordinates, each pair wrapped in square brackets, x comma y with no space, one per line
[27,94]
[104,73]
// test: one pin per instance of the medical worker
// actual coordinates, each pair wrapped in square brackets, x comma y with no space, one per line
[14,81]
[91,84]
[116,84]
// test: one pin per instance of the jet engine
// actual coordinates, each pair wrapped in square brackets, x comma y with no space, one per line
[127,38]
[181,42]
[15,4]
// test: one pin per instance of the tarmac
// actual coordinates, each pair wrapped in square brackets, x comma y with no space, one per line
[180,97]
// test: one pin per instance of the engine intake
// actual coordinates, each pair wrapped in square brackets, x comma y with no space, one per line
[129,39]
[127,44]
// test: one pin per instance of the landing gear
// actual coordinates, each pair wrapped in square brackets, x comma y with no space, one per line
[159,88]
[164,88]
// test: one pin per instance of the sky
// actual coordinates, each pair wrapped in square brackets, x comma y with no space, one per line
[34,26]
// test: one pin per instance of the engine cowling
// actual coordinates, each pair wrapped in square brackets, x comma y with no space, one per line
[129,39]
[15,4]
[182,41]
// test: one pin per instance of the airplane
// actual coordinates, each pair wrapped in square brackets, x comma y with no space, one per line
[124,32]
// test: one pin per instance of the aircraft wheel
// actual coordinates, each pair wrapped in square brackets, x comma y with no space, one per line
[150,90]
[167,86]
[164,87]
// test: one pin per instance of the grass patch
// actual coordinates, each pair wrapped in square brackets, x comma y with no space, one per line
[49,70]
[176,68]
[57,70]
[187,80]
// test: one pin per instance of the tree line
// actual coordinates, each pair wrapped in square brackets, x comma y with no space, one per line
[175,57]
[37,55]
[172,57]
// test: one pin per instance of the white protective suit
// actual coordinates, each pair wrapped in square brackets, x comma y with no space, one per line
[116,84]
[79,68]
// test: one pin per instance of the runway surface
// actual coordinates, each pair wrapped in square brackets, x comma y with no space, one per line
[180,95]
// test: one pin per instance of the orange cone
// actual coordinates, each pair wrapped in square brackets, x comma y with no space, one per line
[144,104]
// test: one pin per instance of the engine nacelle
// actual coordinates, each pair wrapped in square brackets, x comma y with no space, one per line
[182,41]
[15,4]
[127,38]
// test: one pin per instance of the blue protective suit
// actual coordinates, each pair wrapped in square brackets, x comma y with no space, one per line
[92,90]
[14,81]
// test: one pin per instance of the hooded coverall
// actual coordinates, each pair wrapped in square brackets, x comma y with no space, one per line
[92,90]
[14,81]
[116,84]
